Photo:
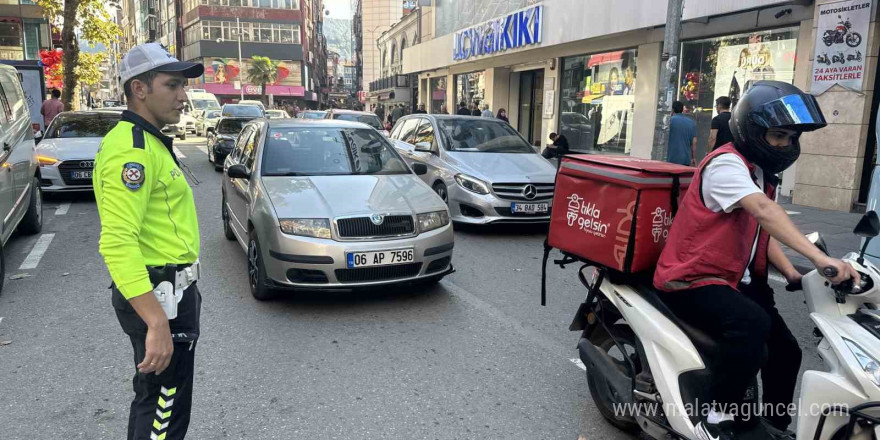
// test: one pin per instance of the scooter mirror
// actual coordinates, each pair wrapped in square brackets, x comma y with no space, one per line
[869,225]
[816,239]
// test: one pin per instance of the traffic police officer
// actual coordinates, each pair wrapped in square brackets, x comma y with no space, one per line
[150,241]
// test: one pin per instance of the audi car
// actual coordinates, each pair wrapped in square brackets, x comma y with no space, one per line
[67,151]
[321,204]
[481,167]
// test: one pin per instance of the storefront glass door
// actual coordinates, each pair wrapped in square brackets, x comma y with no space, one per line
[531,100]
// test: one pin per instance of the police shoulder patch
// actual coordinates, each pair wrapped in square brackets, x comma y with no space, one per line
[133,175]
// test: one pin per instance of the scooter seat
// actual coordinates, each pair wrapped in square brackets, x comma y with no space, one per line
[705,344]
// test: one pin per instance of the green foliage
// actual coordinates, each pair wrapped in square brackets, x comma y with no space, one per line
[92,19]
[262,71]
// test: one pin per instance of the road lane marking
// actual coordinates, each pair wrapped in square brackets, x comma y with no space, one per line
[179,153]
[62,209]
[578,362]
[792,212]
[33,258]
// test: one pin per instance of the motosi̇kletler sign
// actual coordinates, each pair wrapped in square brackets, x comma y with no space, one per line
[841,45]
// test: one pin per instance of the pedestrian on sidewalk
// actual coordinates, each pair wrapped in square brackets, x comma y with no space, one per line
[420,110]
[462,109]
[380,112]
[486,112]
[502,114]
[682,137]
[720,134]
[396,114]
[475,109]
[150,241]
[51,107]
[557,149]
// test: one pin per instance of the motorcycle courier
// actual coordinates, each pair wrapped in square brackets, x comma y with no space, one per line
[648,370]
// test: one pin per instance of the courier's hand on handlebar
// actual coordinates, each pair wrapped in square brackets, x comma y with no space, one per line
[837,271]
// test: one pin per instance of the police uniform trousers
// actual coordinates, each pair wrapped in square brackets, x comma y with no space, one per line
[162,403]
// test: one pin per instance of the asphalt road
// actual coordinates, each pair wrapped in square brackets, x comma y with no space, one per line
[473,357]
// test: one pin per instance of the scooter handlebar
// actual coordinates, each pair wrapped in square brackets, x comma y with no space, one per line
[829,272]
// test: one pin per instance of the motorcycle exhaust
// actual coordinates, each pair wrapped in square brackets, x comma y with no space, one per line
[597,360]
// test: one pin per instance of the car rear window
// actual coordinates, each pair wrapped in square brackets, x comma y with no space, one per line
[243,110]
[371,120]
[329,151]
[81,126]
[231,126]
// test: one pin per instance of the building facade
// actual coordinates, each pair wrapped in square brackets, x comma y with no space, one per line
[214,30]
[392,86]
[598,85]
[377,17]
[24,31]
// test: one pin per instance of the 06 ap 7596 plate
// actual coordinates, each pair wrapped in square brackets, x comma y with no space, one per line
[379,258]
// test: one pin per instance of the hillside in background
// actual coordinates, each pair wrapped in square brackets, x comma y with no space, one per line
[338,34]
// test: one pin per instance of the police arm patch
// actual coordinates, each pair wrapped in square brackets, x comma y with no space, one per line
[133,175]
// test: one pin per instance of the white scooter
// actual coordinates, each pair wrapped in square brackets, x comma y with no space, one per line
[646,369]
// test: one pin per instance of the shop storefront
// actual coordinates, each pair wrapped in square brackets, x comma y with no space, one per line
[728,66]
[596,101]
[437,92]
[470,88]
[224,76]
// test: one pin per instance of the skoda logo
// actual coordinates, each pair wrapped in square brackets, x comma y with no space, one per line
[377,219]
[530,192]
[86,164]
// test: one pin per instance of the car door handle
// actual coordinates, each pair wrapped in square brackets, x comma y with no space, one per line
[7,146]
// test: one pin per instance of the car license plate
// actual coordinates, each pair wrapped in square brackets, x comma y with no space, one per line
[529,208]
[80,174]
[380,258]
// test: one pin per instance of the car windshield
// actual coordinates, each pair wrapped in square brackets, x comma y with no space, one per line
[371,120]
[276,113]
[313,115]
[212,114]
[482,135]
[329,151]
[202,104]
[79,126]
[231,126]
[243,110]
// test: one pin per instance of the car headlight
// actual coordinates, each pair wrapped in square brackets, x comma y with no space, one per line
[472,184]
[306,227]
[869,365]
[47,160]
[432,220]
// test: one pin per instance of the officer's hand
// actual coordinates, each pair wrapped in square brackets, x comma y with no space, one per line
[844,270]
[159,348]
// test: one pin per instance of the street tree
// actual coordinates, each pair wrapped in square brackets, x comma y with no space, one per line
[93,21]
[262,71]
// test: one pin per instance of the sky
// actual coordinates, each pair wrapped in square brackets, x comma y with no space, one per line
[338,8]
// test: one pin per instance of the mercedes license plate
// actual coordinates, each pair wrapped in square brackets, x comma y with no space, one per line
[529,208]
[80,174]
[380,258]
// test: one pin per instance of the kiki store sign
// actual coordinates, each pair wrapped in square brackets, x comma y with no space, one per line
[518,29]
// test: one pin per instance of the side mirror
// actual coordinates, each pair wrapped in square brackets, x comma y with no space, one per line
[238,171]
[817,240]
[420,169]
[868,228]
[423,146]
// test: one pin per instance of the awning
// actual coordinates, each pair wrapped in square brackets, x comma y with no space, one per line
[605,58]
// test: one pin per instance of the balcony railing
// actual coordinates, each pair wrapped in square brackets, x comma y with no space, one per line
[390,82]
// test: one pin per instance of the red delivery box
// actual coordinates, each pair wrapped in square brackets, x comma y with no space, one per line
[616,210]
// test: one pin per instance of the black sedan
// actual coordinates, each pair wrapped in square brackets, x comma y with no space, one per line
[222,139]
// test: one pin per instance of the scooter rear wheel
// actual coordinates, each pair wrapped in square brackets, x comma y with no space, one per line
[610,405]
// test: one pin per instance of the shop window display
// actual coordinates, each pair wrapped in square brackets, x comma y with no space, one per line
[438,94]
[728,66]
[470,88]
[596,101]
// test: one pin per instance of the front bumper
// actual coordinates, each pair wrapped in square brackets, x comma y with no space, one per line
[51,179]
[482,209]
[313,263]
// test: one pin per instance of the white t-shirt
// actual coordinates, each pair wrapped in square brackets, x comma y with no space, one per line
[726,181]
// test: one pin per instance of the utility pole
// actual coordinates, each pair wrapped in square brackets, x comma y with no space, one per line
[240,64]
[668,78]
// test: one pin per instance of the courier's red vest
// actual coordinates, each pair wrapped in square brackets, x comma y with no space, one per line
[706,247]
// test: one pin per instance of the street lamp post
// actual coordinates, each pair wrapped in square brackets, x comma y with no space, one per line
[240,65]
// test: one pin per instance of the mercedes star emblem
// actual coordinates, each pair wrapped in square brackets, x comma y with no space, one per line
[530,192]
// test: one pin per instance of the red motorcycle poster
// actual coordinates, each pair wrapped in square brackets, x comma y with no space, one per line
[841,45]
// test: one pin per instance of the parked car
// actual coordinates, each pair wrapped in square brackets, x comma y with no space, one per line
[21,199]
[245,110]
[277,114]
[174,130]
[481,167]
[363,117]
[67,151]
[187,122]
[330,205]
[222,138]
[311,114]
[207,121]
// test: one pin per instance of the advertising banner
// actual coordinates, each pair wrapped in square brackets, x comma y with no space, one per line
[227,71]
[841,45]
[741,65]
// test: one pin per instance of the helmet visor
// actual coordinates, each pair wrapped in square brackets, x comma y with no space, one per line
[795,112]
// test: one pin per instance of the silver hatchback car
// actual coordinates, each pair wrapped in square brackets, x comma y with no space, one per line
[482,167]
[320,204]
